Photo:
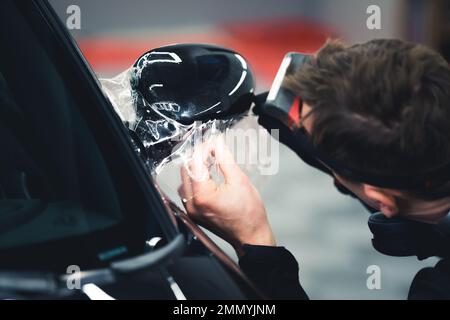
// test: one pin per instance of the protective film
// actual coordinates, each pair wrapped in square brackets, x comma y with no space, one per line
[177,99]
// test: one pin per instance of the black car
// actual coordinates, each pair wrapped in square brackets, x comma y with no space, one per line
[74,194]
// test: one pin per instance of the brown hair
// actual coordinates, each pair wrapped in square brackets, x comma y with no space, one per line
[382,106]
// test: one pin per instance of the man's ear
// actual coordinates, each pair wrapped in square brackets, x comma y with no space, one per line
[387,200]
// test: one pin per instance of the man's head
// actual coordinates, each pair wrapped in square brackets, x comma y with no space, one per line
[381,107]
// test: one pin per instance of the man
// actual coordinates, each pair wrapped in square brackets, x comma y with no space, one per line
[377,117]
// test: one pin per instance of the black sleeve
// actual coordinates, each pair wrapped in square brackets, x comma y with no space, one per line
[273,270]
[432,283]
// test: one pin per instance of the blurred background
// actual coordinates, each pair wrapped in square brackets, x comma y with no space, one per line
[326,231]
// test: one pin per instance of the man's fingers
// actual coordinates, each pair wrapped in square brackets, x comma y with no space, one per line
[198,164]
[228,166]
[200,178]
[198,185]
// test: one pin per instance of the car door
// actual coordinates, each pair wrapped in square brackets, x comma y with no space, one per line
[72,190]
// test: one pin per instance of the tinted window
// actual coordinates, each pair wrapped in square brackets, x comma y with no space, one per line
[58,181]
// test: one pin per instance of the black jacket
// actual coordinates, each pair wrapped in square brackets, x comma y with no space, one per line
[275,272]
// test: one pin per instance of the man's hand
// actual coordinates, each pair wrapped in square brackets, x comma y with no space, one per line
[232,210]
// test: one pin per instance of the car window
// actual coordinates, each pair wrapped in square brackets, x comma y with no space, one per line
[56,179]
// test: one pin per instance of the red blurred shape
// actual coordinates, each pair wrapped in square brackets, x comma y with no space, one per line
[263,43]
